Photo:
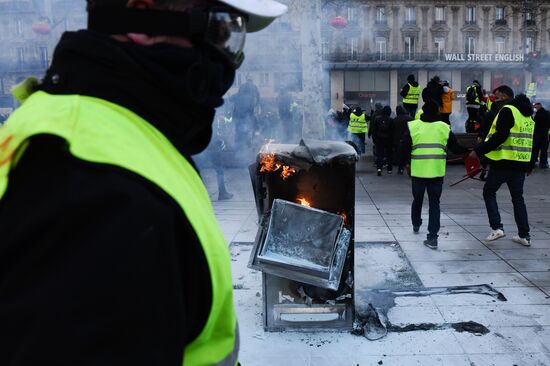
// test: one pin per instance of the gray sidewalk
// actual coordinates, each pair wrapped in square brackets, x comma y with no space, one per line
[519,328]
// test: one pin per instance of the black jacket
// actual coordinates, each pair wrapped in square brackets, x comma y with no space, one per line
[381,128]
[489,117]
[433,91]
[406,146]
[98,266]
[504,124]
[542,123]
[400,125]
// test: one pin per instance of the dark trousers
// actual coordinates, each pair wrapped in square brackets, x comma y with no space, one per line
[359,140]
[514,178]
[540,146]
[411,108]
[384,152]
[434,186]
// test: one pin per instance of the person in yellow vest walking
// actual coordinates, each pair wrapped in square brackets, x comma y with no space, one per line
[410,93]
[425,144]
[358,127]
[531,91]
[508,146]
[110,251]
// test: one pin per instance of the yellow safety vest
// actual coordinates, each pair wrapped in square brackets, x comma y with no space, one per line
[412,95]
[357,124]
[477,100]
[100,132]
[418,113]
[519,144]
[429,148]
[531,90]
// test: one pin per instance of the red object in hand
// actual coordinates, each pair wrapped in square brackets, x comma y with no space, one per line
[473,166]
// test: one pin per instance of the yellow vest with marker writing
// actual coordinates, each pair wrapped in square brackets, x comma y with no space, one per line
[519,144]
[357,124]
[412,95]
[104,133]
[429,148]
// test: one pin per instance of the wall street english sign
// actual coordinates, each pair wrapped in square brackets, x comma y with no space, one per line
[484,57]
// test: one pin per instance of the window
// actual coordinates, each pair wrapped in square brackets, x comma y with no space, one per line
[410,15]
[20,55]
[43,53]
[264,79]
[439,14]
[380,15]
[470,15]
[528,16]
[381,48]
[409,48]
[325,47]
[529,44]
[470,45]
[500,44]
[19,27]
[439,46]
[352,15]
[352,48]
[499,13]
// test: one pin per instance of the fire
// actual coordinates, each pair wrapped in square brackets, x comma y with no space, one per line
[287,172]
[268,163]
[303,202]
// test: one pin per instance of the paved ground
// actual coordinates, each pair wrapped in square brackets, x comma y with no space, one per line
[519,328]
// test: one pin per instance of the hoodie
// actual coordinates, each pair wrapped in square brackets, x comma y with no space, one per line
[504,123]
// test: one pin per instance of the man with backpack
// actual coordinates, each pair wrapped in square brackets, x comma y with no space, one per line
[382,136]
[474,97]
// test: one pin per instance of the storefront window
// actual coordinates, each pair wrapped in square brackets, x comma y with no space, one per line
[467,78]
[363,87]
[513,78]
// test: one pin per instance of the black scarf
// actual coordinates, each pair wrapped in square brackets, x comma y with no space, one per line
[175,89]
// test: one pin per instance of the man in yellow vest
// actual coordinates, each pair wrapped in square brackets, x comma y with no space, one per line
[531,91]
[358,127]
[410,93]
[425,145]
[508,146]
[110,251]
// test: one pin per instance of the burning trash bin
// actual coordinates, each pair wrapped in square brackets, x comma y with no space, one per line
[305,196]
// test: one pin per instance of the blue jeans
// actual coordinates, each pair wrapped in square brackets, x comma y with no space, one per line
[434,186]
[514,178]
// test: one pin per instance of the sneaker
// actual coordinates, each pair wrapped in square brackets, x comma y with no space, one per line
[223,196]
[389,171]
[416,229]
[431,243]
[526,242]
[496,234]
[400,171]
[379,172]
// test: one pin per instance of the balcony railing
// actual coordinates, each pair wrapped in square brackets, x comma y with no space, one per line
[500,22]
[383,57]
[14,66]
[410,22]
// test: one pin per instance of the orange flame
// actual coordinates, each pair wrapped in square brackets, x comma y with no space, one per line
[303,202]
[287,172]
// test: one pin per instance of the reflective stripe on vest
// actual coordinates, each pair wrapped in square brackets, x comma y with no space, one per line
[519,143]
[357,124]
[413,95]
[101,132]
[429,144]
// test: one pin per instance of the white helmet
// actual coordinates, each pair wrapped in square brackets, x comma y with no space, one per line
[260,12]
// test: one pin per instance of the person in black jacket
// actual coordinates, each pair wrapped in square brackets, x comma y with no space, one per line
[433,91]
[511,172]
[101,264]
[540,139]
[382,135]
[400,128]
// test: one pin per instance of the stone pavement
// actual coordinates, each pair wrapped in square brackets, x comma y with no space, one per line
[519,328]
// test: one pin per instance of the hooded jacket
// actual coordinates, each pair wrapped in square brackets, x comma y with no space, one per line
[405,90]
[504,124]
[382,127]
[400,125]
[99,266]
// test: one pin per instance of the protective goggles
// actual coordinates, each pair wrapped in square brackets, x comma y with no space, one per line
[223,30]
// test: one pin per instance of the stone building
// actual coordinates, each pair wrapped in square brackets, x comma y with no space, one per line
[29,29]
[368,55]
